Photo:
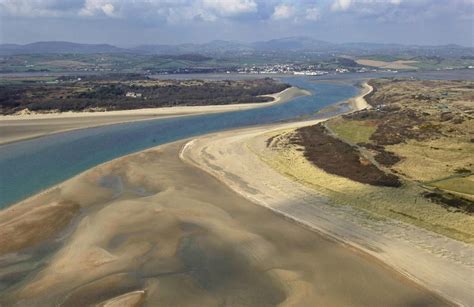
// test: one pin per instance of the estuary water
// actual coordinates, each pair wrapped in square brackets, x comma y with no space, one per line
[31,166]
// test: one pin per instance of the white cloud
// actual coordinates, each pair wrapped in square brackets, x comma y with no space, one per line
[172,11]
[283,11]
[341,5]
[230,7]
[178,14]
[188,11]
[95,7]
[313,14]
[108,9]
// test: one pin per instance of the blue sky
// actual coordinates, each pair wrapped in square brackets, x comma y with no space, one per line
[132,22]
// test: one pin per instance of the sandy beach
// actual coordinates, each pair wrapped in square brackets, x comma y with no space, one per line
[237,158]
[24,126]
[150,228]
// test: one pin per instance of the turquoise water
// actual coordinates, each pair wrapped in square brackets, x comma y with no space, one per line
[30,166]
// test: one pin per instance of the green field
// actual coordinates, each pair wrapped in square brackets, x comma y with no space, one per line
[352,131]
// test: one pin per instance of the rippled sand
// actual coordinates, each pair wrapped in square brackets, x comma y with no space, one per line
[148,228]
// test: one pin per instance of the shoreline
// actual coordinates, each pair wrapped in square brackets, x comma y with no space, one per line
[25,126]
[156,184]
[214,154]
[181,149]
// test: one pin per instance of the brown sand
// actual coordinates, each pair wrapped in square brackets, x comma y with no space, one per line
[155,230]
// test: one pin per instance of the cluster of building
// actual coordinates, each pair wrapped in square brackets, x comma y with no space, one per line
[294,69]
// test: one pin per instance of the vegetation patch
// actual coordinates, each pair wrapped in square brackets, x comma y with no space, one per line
[423,129]
[353,131]
[130,91]
[383,157]
[339,158]
[463,185]
[405,203]
[423,133]
[450,201]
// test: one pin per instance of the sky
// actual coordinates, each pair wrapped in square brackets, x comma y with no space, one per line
[128,23]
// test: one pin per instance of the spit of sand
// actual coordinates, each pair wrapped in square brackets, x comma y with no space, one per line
[27,125]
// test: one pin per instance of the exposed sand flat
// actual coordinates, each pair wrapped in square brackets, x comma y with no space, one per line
[441,264]
[25,126]
[400,64]
[155,230]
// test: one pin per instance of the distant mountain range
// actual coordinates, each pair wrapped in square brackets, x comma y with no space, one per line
[222,48]
[58,47]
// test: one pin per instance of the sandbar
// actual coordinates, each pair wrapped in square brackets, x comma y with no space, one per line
[25,126]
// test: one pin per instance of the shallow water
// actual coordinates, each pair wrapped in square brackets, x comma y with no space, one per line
[30,166]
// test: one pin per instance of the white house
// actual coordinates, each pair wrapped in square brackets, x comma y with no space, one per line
[133,95]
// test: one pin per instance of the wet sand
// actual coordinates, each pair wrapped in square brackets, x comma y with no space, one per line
[19,127]
[151,229]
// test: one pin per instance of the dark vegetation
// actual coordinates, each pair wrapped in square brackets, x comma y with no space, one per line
[450,201]
[402,117]
[395,125]
[385,158]
[109,92]
[339,158]
[406,110]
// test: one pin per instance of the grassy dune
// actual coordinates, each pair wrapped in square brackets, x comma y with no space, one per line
[420,131]
[405,203]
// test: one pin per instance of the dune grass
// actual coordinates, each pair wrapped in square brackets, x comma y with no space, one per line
[352,131]
[404,204]
[458,184]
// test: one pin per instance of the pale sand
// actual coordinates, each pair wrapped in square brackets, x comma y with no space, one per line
[359,103]
[400,64]
[24,126]
[158,231]
[438,263]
